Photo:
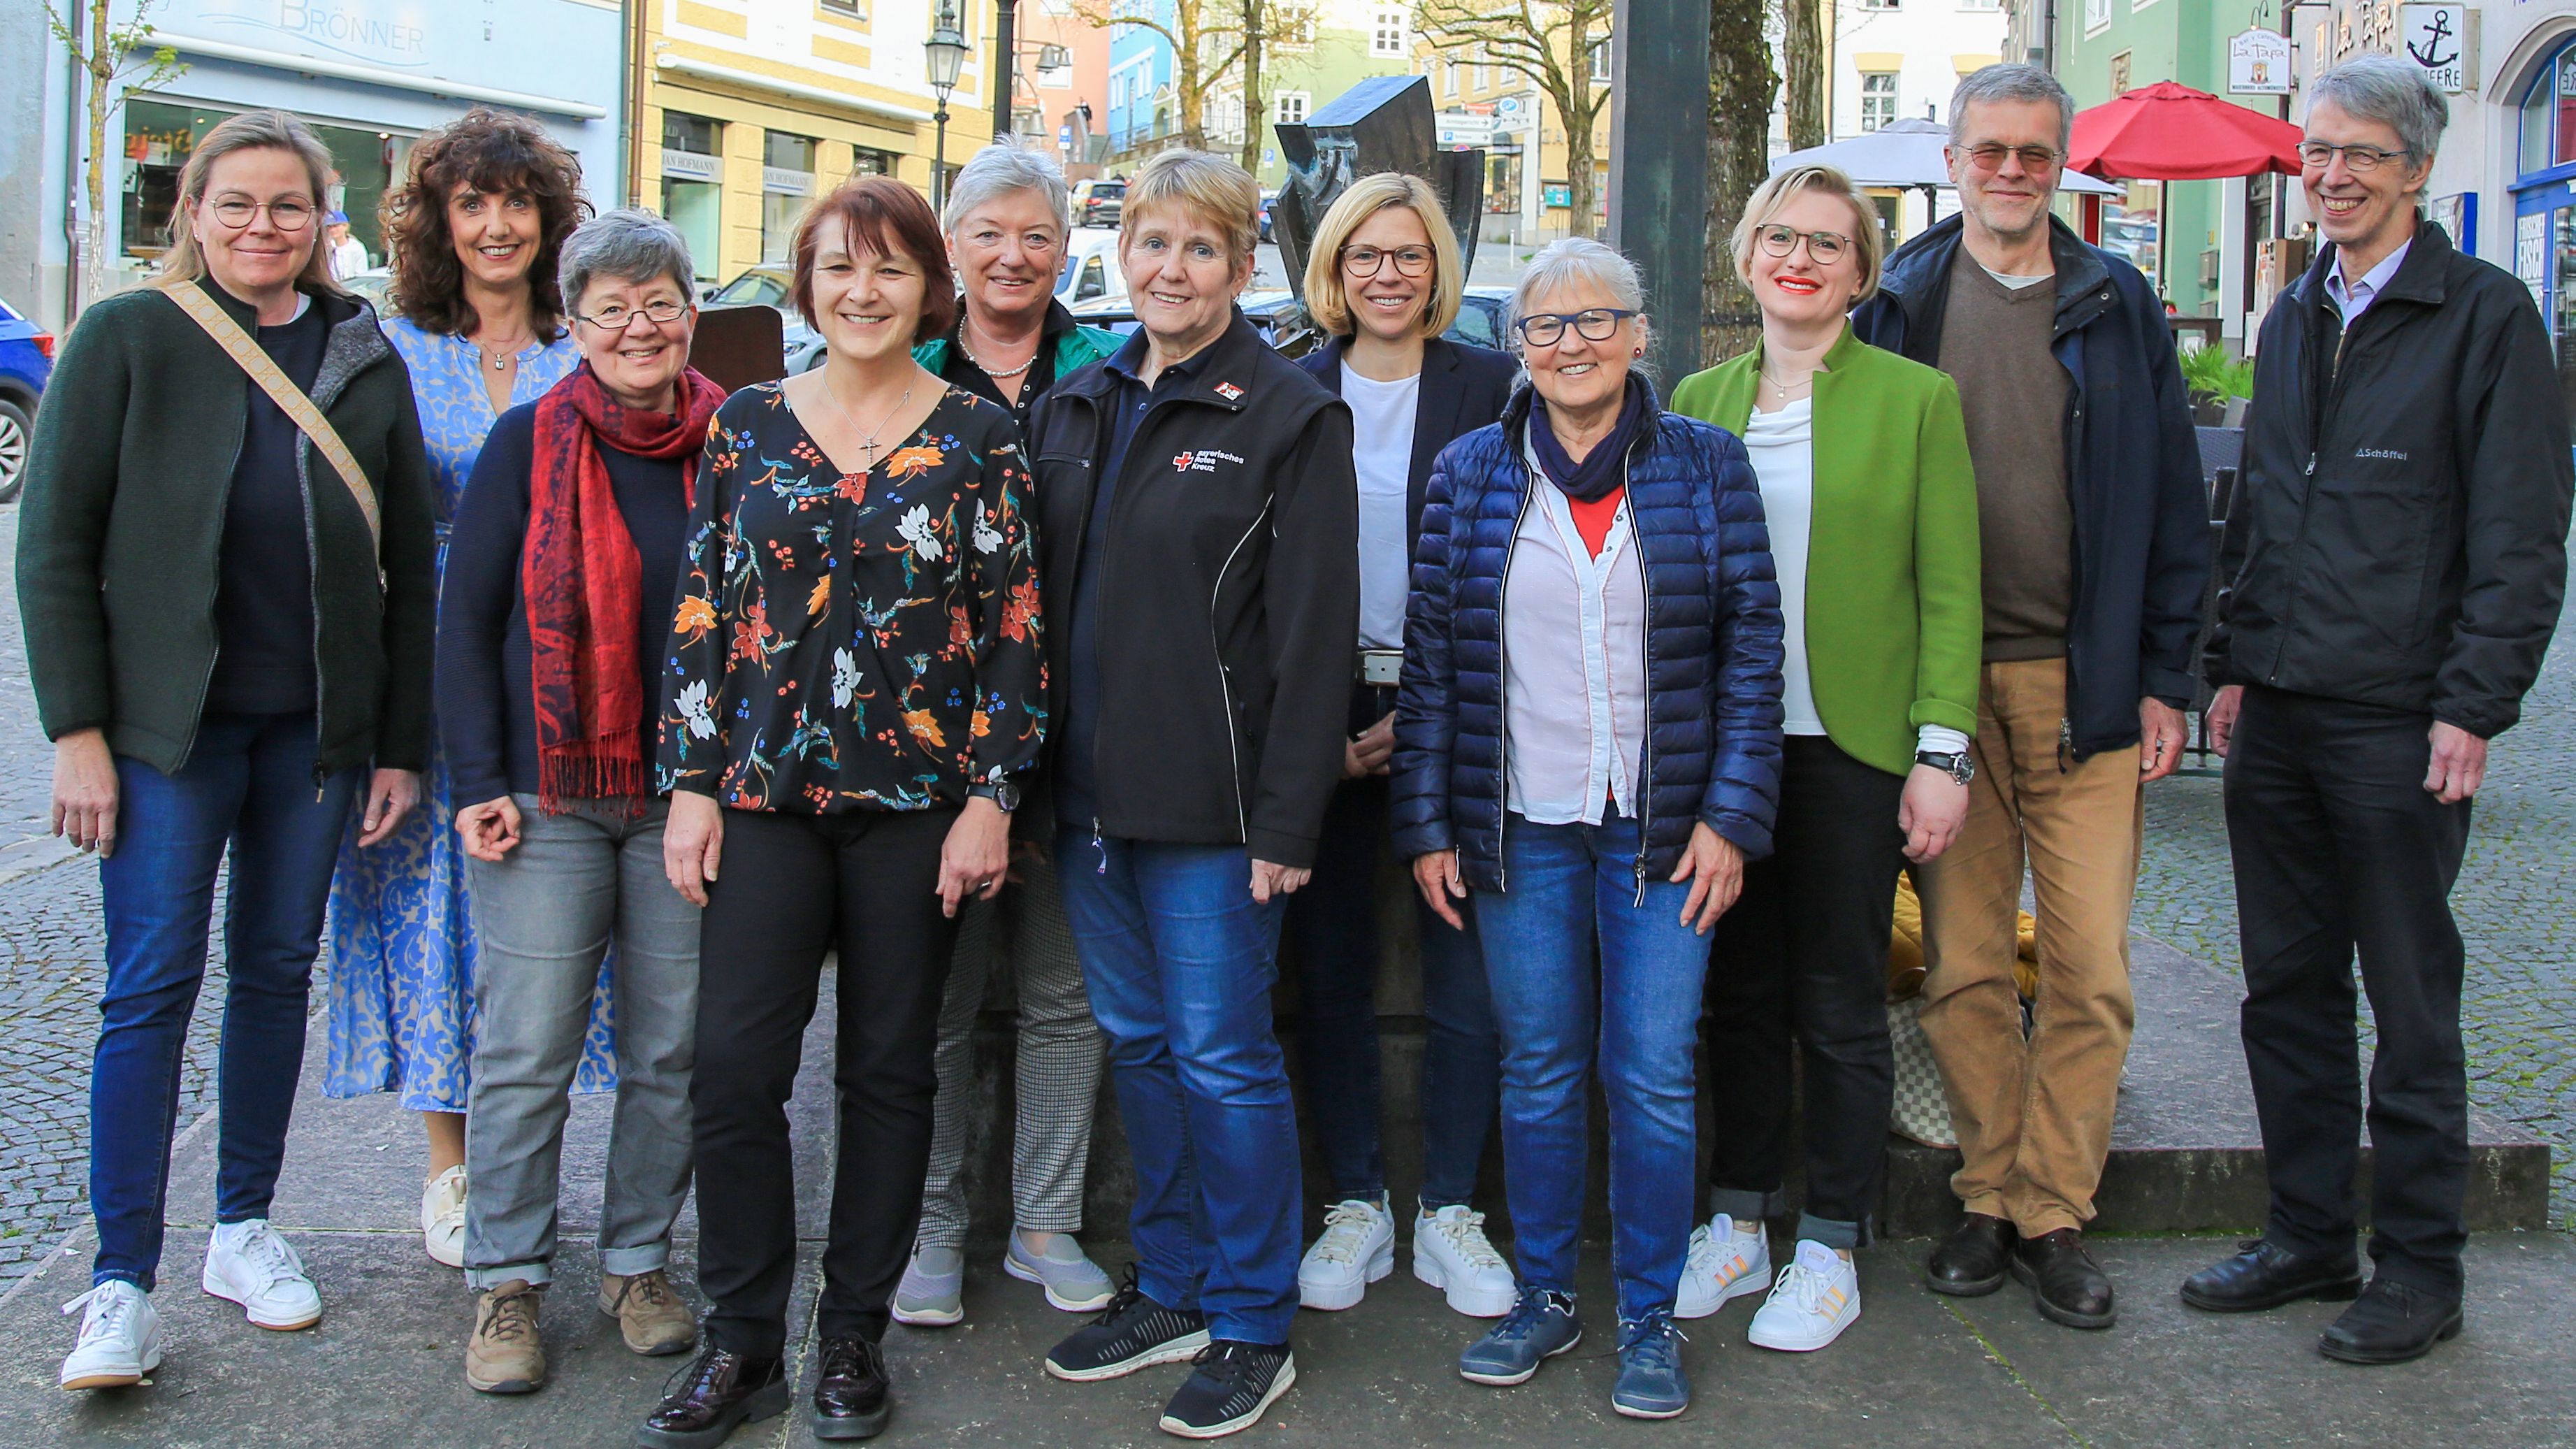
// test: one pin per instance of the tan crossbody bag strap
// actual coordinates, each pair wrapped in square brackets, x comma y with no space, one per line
[262,369]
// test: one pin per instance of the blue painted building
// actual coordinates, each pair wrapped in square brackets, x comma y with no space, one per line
[1142,106]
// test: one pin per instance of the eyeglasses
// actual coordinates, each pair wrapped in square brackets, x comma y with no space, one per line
[2317,156]
[1990,156]
[1593,324]
[287,213]
[661,312]
[1824,247]
[1365,261]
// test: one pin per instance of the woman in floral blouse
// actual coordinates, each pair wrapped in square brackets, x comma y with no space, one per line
[855,685]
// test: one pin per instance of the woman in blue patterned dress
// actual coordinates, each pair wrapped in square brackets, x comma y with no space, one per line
[474,231]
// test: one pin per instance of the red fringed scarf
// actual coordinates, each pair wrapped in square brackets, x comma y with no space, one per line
[584,583]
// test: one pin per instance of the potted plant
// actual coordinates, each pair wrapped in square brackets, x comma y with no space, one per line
[2219,385]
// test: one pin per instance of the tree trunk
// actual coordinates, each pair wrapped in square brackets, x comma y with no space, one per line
[1740,86]
[1189,96]
[1582,189]
[1803,40]
[1255,15]
[101,65]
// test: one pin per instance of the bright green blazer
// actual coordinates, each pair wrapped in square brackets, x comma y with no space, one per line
[1895,609]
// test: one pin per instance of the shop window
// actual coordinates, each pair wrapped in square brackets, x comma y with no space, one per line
[864,162]
[2548,131]
[1877,99]
[160,136]
[693,187]
[786,185]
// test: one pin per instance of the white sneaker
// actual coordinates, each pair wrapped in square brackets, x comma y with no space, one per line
[1725,1263]
[1451,1253]
[249,1264]
[120,1338]
[442,1217]
[1357,1248]
[1816,1297]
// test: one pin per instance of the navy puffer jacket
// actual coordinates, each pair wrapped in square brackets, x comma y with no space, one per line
[1712,646]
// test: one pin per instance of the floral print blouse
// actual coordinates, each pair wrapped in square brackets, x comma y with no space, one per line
[854,641]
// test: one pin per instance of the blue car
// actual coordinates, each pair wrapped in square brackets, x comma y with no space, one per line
[26,360]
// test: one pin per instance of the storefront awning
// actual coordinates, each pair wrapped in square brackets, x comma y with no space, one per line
[370,75]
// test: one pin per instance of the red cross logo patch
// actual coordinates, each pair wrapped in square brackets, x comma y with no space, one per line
[1181,463]
[1229,391]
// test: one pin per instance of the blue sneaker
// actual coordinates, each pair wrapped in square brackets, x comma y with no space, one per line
[1651,1382]
[1539,1327]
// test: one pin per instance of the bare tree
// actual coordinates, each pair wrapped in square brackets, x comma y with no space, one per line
[1741,84]
[1802,45]
[1207,39]
[1267,24]
[107,53]
[1551,43]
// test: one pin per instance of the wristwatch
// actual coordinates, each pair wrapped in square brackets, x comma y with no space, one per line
[1958,767]
[1004,795]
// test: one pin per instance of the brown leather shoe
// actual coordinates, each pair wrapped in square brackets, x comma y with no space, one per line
[506,1355]
[1975,1259]
[650,1316]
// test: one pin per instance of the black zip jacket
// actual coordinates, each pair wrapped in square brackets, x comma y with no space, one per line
[2132,472]
[2400,534]
[1228,598]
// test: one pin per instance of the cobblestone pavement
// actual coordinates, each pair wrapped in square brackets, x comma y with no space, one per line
[2516,905]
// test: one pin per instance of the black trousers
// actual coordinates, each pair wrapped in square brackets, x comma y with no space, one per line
[2339,848]
[789,889]
[1805,950]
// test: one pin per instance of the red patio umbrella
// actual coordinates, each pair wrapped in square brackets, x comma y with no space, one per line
[2170,132]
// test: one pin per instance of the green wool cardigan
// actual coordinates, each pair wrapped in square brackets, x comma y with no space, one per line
[1895,611]
[120,539]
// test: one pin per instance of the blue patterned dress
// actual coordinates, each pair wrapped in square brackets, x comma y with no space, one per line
[402,939]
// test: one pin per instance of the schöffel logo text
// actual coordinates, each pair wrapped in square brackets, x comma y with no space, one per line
[2397,454]
[1203,461]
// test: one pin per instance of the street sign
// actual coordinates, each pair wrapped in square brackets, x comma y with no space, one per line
[2435,37]
[2258,62]
[1508,106]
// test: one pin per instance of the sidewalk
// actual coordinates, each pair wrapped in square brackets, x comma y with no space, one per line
[384,1367]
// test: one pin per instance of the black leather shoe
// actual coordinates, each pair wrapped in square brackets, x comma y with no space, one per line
[851,1396]
[1973,1260]
[2393,1322]
[2262,1276]
[721,1390]
[2065,1282]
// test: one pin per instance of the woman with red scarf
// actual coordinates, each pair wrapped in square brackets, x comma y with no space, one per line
[557,596]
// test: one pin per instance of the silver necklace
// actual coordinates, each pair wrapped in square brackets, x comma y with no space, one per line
[995,373]
[1783,389]
[868,436]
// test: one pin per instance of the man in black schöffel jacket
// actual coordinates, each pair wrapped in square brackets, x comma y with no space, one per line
[2395,557]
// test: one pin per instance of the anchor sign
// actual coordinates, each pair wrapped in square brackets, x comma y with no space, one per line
[2432,36]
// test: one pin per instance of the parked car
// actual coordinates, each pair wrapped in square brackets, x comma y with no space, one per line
[26,360]
[375,284]
[1096,203]
[769,284]
[1267,197]
[1091,268]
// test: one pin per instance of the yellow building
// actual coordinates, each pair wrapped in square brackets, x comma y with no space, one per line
[748,108]
[1512,107]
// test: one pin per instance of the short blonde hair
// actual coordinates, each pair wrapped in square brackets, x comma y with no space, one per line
[1329,303]
[1773,196]
[1217,189]
[185,261]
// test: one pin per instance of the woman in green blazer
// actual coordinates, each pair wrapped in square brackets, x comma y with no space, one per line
[1863,462]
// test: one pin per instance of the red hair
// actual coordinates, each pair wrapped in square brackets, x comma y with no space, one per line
[882,215]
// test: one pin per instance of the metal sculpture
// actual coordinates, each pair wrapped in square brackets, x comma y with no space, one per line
[1384,123]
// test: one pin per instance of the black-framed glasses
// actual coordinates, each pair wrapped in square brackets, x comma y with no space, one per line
[1409,261]
[661,312]
[287,213]
[1592,324]
[1824,247]
[1990,156]
[2318,155]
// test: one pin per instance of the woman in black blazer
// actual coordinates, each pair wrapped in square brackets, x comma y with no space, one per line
[1384,278]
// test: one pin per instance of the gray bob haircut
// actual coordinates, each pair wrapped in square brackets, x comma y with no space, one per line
[625,246]
[2011,83]
[997,171]
[1572,261]
[2385,89]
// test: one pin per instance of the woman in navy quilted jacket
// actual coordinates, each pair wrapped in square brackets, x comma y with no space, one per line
[1587,753]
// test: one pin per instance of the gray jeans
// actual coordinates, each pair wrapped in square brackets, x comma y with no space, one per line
[546,914]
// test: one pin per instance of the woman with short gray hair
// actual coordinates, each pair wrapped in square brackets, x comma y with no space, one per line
[556,601]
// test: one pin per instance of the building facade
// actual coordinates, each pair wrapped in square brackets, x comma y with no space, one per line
[369,76]
[1894,59]
[1529,191]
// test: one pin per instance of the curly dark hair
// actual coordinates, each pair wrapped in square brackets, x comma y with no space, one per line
[492,151]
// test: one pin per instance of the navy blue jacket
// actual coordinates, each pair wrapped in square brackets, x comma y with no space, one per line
[1464,387]
[1712,646]
[2133,472]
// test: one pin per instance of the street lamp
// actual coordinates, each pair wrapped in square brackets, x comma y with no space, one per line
[945,54]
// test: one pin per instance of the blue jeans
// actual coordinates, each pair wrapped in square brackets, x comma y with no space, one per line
[1179,963]
[1333,924]
[248,784]
[1572,888]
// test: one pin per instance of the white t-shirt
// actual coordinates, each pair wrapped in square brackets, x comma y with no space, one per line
[1782,446]
[1382,422]
[348,259]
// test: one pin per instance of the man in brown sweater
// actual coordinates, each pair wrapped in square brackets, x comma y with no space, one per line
[2094,548]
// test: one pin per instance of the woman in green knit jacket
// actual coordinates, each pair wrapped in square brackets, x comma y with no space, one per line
[226,657]
[1863,462]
